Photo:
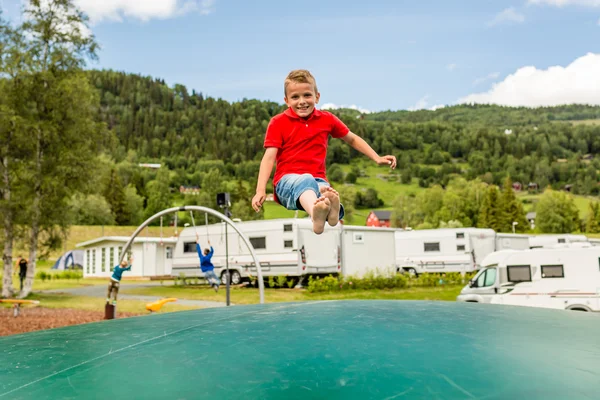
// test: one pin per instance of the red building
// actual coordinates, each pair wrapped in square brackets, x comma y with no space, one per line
[379,218]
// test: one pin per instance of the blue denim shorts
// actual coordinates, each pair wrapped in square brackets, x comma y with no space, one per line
[291,186]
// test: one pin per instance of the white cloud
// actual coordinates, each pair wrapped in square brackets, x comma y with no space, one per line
[331,106]
[509,15]
[564,3]
[492,76]
[422,104]
[451,67]
[578,82]
[599,22]
[144,10]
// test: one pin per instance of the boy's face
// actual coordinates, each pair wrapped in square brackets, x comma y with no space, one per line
[301,98]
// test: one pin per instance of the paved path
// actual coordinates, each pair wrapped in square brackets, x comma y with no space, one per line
[100,291]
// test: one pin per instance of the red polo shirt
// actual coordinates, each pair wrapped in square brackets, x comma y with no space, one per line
[302,143]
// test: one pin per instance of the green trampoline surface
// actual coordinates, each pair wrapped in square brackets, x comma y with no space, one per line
[314,350]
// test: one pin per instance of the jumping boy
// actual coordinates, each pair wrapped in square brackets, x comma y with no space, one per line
[115,279]
[297,140]
[206,264]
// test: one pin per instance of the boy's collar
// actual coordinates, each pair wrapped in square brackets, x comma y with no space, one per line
[290,113]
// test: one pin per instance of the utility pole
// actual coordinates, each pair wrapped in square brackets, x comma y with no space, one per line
[223,201]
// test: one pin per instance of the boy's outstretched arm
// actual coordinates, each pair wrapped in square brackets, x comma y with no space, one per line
[266,167]
[359,144]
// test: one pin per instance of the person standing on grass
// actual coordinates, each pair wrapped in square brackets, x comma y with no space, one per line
[22,270]
[115,279]
[206,264]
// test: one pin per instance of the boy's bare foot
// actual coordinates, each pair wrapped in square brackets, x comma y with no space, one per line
[319,214]
[334,198]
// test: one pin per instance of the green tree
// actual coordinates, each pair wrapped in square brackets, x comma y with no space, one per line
[159,197]
[114,193]
[405,212]
[335,173]
[60,113]
[593,218]
[489,215]
[134,206]
[556,213]
[511,210]
[91,209]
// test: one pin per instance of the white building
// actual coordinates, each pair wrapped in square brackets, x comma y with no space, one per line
[152,256]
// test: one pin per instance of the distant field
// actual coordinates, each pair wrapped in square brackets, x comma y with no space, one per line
[581,202]
[587,122]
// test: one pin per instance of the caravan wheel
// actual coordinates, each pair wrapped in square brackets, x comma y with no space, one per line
[236,277]
[412,272]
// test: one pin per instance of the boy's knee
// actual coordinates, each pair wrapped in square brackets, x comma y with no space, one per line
[308,181]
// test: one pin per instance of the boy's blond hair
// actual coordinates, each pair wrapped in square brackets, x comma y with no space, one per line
[124,263]
[299,76]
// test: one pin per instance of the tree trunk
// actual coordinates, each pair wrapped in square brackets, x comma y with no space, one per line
[7,284]
[35,219]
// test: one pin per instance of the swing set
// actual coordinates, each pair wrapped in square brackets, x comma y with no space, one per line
[206,211]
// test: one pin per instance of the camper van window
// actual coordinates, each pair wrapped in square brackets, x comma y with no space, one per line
[169,252]
[103,265]
[432,246]
[288,244]
[287,227]
[561,240]
[519,273]
[460,235]
[553,271]
[460,247]
[358,237]
[189,247]
[259,242]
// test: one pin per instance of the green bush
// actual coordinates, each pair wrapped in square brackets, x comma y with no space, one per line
[384,280]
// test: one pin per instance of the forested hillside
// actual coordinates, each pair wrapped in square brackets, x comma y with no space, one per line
[217,145]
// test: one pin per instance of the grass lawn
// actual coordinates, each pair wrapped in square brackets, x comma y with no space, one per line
[581,202]
[388,190]
[587,122]
[61,300]
[250,296]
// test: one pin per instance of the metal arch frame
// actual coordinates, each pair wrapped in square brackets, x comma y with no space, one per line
[261,285]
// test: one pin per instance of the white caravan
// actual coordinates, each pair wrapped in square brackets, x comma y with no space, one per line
[443,250]
[283,246]
[561,278]
[512,241]
[548,241]
[368,249]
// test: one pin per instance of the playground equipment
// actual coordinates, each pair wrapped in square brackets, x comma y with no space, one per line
[17,304]
[157,305]
[214,213]
[326,350]
[110,309]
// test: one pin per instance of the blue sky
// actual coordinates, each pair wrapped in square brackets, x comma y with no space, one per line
[375,55]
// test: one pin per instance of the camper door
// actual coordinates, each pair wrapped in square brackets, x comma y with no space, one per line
[319,254]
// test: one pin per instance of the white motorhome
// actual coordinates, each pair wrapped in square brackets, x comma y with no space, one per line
[443,250]
[368,249]
[561,278]
[546,241]
[283,246]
